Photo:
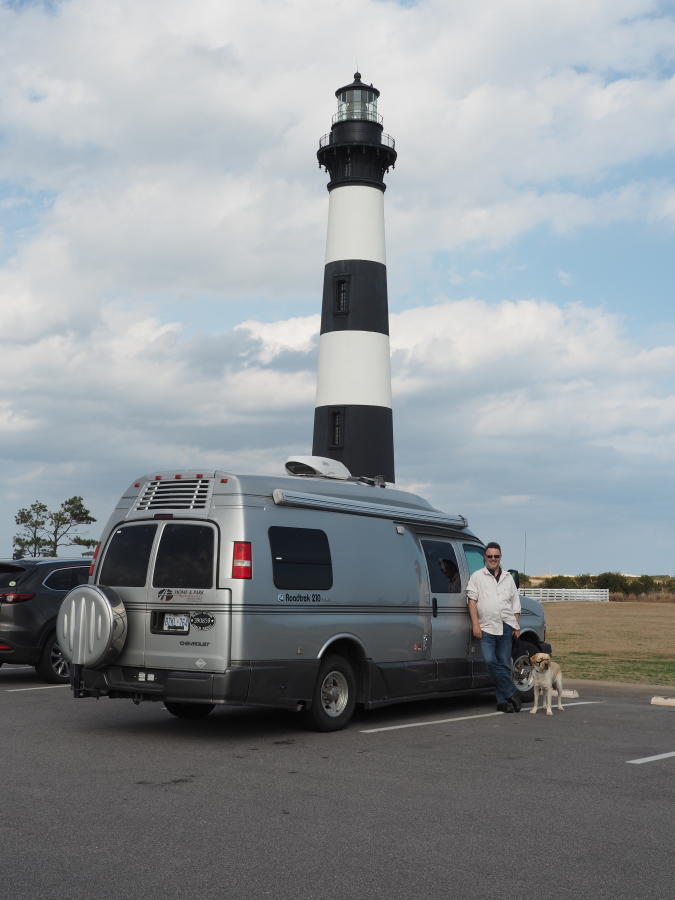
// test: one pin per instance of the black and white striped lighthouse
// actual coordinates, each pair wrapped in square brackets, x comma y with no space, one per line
[353,419]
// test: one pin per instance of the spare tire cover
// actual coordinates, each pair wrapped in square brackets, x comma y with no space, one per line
[91,626]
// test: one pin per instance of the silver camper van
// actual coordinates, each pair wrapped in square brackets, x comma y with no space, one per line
[312,591]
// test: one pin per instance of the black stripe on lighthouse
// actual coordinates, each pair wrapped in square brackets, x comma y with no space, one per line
[355,296]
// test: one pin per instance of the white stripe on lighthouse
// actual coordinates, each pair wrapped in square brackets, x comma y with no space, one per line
[354,369]
[355,224]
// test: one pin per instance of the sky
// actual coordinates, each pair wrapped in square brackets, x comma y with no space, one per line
[162,236]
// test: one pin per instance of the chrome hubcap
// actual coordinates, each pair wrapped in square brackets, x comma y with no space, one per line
[334,693]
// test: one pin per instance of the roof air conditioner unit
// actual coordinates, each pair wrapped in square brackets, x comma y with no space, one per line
[317,465]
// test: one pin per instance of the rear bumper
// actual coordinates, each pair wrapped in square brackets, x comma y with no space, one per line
[159,684]
[273,683]
[18,654]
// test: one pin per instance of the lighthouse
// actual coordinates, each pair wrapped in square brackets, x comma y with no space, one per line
[353,417]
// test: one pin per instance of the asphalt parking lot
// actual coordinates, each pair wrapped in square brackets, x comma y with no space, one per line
[438,799]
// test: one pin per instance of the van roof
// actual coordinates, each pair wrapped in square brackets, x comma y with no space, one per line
[192,489]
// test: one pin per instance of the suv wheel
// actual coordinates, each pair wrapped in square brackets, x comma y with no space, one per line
[522,669]
[53,666]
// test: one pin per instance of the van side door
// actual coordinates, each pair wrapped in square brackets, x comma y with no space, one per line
[450,622]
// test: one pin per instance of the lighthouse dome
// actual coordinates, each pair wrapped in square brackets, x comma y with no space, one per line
[357,101]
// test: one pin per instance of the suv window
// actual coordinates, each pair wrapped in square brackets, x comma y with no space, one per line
[59,580]
[474,557]
[300,558]
[67,578]
[126,559]
[185,557]
[444,577]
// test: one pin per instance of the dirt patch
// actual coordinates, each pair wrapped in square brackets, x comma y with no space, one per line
[633,642]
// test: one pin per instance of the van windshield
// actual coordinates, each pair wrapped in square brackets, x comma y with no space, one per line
[474,557]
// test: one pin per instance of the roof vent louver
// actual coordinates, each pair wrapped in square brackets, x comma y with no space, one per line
[186,493]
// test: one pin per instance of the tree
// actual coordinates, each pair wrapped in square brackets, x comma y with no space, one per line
[33,520]
[44,531]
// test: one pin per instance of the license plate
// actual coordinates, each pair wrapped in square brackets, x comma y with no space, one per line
[176,623]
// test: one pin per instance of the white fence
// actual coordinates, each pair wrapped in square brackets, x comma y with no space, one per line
[550,595]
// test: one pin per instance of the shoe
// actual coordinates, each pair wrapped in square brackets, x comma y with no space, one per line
[516,702]
[504,707]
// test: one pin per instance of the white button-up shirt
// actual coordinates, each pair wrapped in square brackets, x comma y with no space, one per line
[496,601]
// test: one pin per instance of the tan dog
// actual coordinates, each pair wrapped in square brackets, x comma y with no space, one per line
[547,675]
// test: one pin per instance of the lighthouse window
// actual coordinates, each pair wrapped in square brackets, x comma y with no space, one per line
[341,296]
[337,428]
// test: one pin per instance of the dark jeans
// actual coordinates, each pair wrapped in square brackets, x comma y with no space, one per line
[496,650]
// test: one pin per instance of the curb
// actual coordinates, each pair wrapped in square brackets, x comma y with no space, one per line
[663,701]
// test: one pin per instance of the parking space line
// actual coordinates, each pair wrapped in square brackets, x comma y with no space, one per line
[460,719]
[44,687]
[646,759]
[433,722]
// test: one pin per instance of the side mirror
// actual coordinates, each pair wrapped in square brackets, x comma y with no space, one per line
[515,576]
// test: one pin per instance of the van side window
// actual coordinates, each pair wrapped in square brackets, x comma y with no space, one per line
[474,557]
[185,557]
[126,559]
[300,558]
[444,577]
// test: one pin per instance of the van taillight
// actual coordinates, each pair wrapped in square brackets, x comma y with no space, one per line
[14,597]
[93,560]
[242,563]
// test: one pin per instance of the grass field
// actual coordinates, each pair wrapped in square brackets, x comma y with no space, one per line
[614,641]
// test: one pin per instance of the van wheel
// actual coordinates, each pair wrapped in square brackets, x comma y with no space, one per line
[522,669]
[334,697]
[189,710]
[53,666]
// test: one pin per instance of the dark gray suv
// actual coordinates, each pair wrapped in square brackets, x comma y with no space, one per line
[31,591]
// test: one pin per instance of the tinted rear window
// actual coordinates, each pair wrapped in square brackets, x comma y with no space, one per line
[126,559]
[300,558]
[185,557]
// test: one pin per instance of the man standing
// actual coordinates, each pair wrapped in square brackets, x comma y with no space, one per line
[494,607]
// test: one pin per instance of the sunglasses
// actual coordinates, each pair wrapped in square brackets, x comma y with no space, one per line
[493,556]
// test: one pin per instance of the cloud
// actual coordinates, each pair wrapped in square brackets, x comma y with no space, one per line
[479,387]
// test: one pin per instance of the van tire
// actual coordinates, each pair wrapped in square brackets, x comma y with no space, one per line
[53,666]
[334,697]
[189,710]
[522,669]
